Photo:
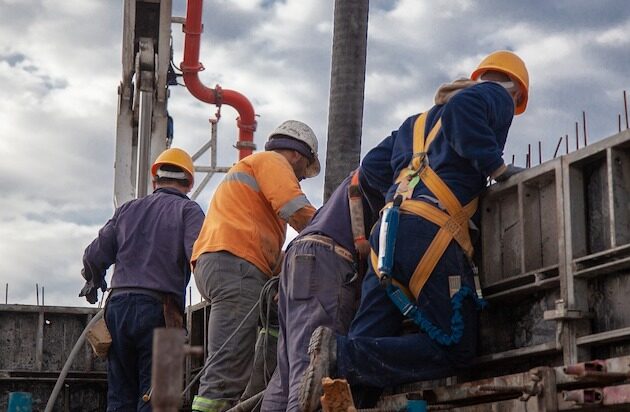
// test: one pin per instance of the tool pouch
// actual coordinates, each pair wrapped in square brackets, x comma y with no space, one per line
[99,338]
[173,316]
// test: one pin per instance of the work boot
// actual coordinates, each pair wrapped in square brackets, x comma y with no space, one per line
[322,350]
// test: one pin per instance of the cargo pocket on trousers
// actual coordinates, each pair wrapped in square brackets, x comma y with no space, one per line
[301,276]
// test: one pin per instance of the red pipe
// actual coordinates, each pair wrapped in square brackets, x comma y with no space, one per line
[191,67]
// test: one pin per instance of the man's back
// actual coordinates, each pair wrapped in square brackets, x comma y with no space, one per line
[248,213]
[148,240]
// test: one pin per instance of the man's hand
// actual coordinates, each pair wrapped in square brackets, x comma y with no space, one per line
[509,171]
[90,289]
[90,292]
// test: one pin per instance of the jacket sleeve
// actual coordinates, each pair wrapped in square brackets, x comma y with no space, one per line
[101,253]
[376,168]
[470,123]
[193,221]
[281,188]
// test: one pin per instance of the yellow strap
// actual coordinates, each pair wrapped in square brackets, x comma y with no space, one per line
[355,202]
[441,191]
[450,228]
[374,260]
[420,144]
[429,260]
[457,227]
[453,223]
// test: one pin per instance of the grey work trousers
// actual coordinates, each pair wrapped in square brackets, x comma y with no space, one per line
[317,287]
[232,286]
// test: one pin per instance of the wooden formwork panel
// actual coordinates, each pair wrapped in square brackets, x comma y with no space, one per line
[40,339]
[555,252]
[19,337]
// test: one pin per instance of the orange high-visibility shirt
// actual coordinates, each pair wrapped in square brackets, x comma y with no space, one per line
[250,209]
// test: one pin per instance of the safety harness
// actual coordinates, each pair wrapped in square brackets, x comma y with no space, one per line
[355,200]
[452,219]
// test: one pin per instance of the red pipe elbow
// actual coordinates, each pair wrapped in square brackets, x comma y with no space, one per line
[191,67]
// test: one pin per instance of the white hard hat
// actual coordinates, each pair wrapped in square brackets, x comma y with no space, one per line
[299,131]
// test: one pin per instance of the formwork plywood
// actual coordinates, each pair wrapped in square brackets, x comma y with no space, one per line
[518,323]
[540,224]
[61,331]
[620,175]
[19,337]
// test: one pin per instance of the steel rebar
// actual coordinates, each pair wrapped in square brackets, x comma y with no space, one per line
[625,107]
[584,128]
[577,137]
[555,153]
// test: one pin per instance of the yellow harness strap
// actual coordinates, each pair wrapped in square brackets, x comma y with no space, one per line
[453,222]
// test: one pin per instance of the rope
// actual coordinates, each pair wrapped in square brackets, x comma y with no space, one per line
[411,311]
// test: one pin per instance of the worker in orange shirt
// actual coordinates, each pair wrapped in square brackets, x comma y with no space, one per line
[239,249]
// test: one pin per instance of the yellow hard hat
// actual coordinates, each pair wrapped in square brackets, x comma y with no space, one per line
[176,157]
[505,61]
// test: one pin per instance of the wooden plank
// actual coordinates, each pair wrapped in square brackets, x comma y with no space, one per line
[605,337]
[541,349]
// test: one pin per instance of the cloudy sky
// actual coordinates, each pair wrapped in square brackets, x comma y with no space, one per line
[60,66]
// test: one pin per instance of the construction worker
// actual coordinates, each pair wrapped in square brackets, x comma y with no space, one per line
[421,264]
[320,282]
[150,242]
[239,249]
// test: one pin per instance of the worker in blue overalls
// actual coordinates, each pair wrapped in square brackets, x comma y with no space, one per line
[421,267]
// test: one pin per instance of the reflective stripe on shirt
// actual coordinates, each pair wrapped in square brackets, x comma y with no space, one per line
[243,178]
[293,206]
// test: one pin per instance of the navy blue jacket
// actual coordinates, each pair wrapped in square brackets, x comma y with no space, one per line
[150,242]
[469,147]
[333,219]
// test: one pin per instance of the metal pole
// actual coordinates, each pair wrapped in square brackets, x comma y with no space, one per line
[144,143]
[43,304]
[347,87]
[37,293]
[584,128]
[557,147]
[577,137]
[167,369]
[529,155]
[539,152]
[625,107]
[566,142]
[6,294]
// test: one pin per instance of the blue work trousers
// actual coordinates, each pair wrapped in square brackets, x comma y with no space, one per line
[317,287]
[375,352]
[131,319]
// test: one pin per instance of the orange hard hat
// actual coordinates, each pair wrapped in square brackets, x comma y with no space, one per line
[507,62]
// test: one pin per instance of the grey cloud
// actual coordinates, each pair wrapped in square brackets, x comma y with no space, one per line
[13,59]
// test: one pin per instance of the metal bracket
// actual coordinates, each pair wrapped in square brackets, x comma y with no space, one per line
[561,312]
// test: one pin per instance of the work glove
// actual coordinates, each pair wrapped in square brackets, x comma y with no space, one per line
[510,171]
[90,289]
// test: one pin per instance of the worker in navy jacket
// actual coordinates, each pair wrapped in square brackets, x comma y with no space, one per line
[466,149]
[150,242]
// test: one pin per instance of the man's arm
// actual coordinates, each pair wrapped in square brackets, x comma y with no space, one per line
[469,121]
[99,256]
[193,221]
[278,183]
